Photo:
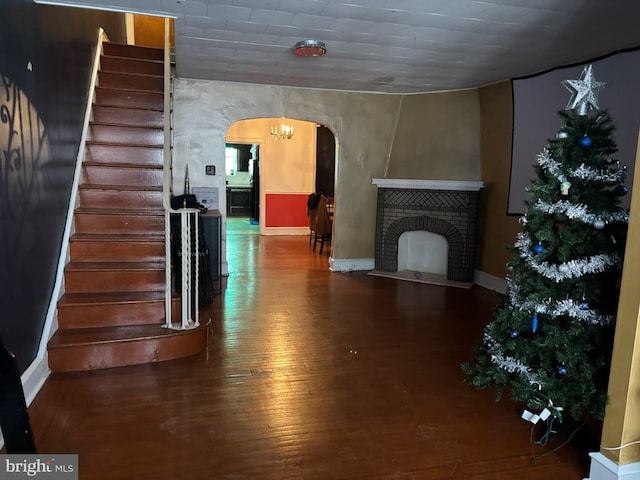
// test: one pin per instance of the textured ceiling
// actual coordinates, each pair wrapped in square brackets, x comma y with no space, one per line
[393,46]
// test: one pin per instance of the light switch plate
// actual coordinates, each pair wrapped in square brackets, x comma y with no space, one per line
[210,170]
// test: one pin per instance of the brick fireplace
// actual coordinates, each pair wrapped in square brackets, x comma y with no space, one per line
[443,207]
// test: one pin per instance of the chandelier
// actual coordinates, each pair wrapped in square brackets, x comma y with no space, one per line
[283,132]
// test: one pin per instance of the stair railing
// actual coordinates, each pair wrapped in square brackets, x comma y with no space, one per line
[189,294]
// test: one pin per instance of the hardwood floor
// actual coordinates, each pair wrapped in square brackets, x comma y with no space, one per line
[308,375]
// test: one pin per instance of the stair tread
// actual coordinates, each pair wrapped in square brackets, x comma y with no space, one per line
[134,90]
[114,266]
[106,335]
[123,107]
[151,237]
[127,125]
[133,59]
[133,48]
[137,166]
[70,299]
[125,188]
[103,104]
[128,145]
[132,74]
[118,211]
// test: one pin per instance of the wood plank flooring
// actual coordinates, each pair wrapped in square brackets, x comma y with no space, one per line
[308,375]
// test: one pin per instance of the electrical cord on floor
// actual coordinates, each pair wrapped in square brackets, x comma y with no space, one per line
[545,438]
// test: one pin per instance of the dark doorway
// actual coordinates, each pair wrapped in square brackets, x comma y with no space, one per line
[255,191]
[242,161]
[325,161]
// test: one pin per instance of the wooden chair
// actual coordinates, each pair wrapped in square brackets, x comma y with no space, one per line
[320,221]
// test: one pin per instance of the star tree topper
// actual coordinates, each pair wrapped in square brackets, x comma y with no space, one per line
[584,92]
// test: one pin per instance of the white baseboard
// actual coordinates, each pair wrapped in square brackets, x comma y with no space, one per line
[351,264]
[604,469]
[286,231]
[34,377]
[481,278]
[489,281]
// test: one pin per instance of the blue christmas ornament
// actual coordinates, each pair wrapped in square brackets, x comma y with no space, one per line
[585,142]
[514,333]
[534,323]
[511,307]
[538,248]
[621,190]
[584,306]
[488,344]
[562,370]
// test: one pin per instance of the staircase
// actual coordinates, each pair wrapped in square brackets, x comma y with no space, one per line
[112,311]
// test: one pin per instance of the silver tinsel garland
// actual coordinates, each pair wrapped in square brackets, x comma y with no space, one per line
[557,308]
[510,364]
[570,269]
[581,212]
[614,176]
[513,365]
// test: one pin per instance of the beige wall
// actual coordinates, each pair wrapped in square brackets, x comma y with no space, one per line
[430,136]
[363,125]
[497,229]
[437,137]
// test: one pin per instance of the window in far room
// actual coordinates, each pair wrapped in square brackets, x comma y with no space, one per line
[231,160]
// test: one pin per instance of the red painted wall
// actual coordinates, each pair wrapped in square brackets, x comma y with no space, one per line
[286,210]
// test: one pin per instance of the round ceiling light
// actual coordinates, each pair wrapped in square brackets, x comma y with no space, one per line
[310,48]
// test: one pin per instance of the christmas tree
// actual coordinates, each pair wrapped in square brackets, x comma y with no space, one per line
[550,340]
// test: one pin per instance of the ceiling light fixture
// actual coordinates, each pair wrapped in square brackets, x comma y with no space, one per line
[310,48]
[284,132]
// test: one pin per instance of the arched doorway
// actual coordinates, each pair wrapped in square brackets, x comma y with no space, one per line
[273,176]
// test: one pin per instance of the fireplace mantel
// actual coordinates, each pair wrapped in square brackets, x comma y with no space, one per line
[458,185]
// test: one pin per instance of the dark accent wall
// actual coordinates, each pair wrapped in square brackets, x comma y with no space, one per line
[46,56]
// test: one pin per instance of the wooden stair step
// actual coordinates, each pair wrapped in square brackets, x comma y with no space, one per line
[99,348]
[129,98]
[139,154]
[122,174]
[117,196]
[90,310]
[124,134]
[115,115]
[110,63]
[130,221]
[97,277]
[132,51]
[132,81]
[148,247]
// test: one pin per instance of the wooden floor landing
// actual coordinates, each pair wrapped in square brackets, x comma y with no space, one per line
[308,375]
